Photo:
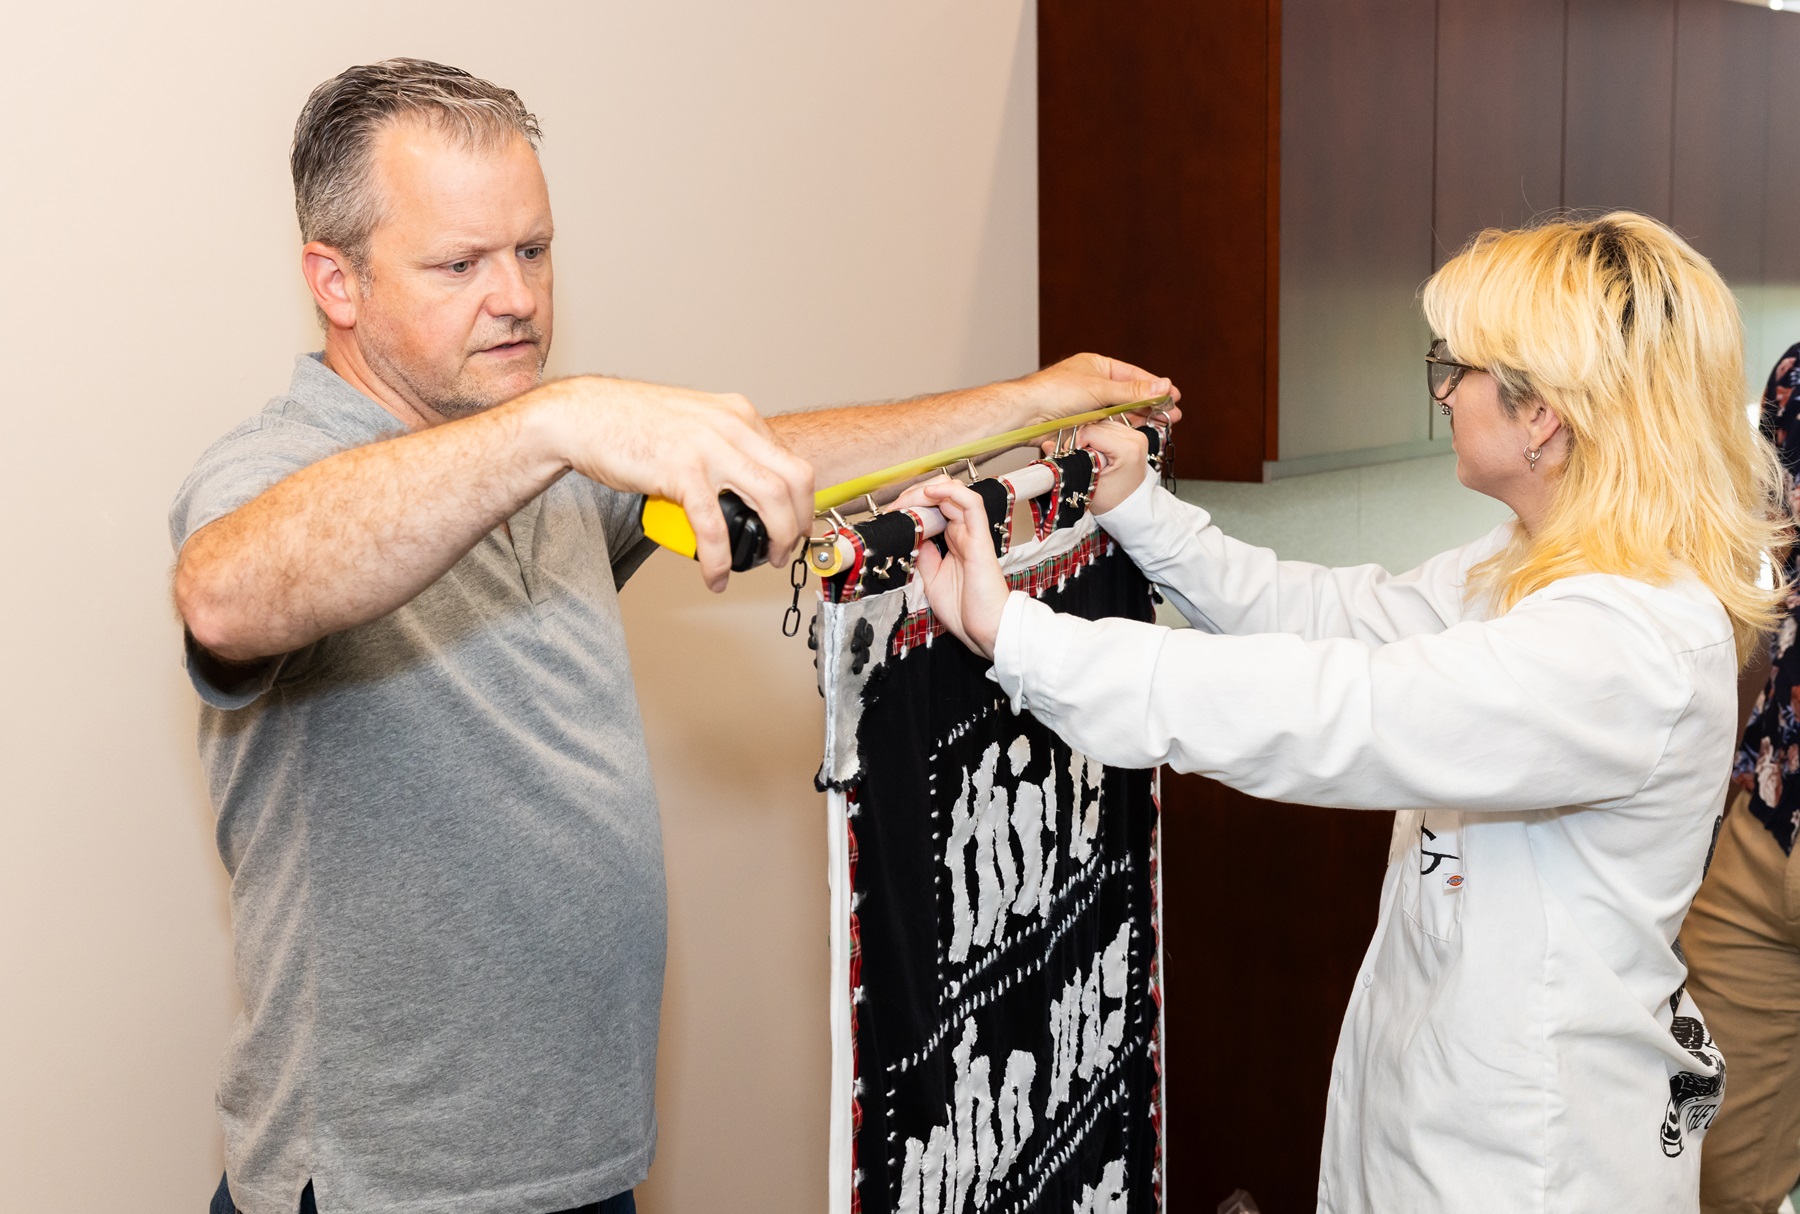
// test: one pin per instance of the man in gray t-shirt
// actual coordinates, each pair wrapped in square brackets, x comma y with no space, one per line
[399,582]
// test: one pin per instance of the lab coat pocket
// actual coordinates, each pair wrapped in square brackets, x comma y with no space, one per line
[1439,874]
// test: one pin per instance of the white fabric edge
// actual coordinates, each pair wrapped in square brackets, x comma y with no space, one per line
[841,689]
[839,1153]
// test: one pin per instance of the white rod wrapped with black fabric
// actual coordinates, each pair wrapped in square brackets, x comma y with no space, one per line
[828,555]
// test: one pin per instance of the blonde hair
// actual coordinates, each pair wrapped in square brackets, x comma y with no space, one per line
[1634,340]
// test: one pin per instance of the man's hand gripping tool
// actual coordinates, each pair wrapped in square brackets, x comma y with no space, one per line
[667,523]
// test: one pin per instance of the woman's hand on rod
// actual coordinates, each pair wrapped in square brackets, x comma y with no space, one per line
[1122,465]
[1126,452]
[965,587]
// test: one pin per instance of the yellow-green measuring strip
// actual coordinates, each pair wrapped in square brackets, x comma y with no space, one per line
[849,491]
[667,524]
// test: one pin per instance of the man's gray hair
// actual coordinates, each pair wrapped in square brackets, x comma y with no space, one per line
[333,140]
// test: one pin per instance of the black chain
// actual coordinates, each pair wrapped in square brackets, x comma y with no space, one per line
[790,623]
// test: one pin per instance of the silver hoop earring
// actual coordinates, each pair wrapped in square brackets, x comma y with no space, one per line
[1532,455]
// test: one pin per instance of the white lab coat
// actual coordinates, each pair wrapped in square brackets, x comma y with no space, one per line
[1510,1043]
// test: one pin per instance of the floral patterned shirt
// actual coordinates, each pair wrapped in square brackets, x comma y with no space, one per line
[1770,758]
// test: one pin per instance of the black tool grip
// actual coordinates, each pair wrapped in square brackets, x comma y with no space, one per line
[744,532]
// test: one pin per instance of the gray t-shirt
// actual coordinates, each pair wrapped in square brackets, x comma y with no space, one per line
[446,864]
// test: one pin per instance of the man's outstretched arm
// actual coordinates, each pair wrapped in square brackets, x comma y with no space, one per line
[350,538]
[841,443]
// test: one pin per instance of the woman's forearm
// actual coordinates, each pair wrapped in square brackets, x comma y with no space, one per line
[1559,703]
[1226,586]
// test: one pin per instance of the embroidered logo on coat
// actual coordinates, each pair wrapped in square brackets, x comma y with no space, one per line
[1693,1096]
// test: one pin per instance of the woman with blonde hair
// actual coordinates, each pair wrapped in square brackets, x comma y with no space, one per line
[1551,709]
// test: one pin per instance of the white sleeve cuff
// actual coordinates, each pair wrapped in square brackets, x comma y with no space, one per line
[1089,680]
[1010,645]
[1153,524]
[1135,509]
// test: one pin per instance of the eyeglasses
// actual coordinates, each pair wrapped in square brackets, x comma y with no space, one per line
[1441,374]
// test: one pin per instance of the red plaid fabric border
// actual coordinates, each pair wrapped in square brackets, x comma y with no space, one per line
[853,579]
[921,627]
[1156,997]
[1043,521]
[855,983]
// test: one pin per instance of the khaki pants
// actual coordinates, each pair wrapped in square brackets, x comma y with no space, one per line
[1742,940]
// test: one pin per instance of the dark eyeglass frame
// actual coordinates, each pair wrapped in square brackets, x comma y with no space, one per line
[1453,376]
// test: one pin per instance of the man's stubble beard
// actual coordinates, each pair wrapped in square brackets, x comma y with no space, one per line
[453,399]
[454,405]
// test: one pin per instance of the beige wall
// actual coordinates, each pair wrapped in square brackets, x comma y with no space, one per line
[804,201]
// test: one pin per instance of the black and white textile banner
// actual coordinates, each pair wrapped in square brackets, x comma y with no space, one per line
[996,1015]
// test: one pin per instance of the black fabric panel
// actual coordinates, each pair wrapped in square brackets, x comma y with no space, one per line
[1072,495]
[1156,444]
[998,503]
[887,563]
[931,716]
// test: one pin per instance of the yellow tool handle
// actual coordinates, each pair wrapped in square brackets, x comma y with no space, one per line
[667,523]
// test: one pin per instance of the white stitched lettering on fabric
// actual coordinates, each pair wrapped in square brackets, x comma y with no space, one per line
[1007,878]
[1112,963]
[912,1178]
[1054,930]
[1028,825]
[1019,754]
[987,1149]
[962,829]
[940,1161]
[1109,1198]
[1014,1109]
[1095,773]
[1083,1040]
[1090,1028]
[960,1179]
[1079,843]
[982,1106]
[988,819]
[1114,1033]
[1065,1027]
[1087,798]
[983,1137]
[1006,865]
[1112,985]
[1069,1133]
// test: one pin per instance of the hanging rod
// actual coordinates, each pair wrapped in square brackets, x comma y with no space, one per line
[828,555]
[667,523]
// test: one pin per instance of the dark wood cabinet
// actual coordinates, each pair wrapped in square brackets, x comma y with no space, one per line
[1619,98]
[1246,195]
[1157,204]
[1267,910]
[1721,132]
